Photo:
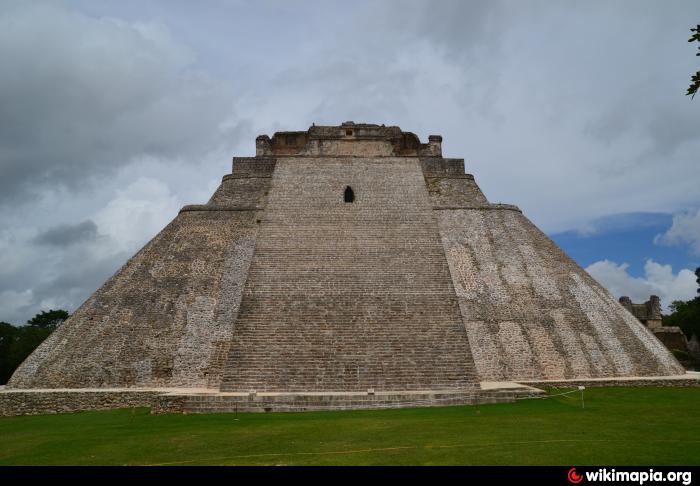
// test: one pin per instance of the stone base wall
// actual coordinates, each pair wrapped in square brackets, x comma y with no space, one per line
[661,381]
[42,402]
[226,403]
[160,401]
[32,402]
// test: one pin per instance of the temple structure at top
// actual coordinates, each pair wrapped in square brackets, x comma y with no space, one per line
[348,139]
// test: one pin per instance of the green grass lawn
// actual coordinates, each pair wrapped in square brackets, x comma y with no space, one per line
[633,426]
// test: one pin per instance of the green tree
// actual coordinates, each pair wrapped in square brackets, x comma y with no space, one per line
[18,342]
[51,319]
[695,79]
[686,315]
[8,334]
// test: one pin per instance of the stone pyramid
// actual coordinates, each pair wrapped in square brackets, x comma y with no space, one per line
[346,258]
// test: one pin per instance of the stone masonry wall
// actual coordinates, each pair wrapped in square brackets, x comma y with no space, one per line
[165,318]
[248,184]
[676,383]
[348,296]
[529,310]
[448,185]
[62,401]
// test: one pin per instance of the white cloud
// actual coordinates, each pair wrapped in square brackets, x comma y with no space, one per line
[658,280]
[684,230]
[137,213]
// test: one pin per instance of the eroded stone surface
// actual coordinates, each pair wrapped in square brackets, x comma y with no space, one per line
[539,314]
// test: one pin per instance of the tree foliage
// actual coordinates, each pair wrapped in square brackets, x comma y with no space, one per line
[18,342]
[695,79]
[686,315]
[51,319]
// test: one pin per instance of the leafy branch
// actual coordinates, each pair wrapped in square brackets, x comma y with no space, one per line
[695,79]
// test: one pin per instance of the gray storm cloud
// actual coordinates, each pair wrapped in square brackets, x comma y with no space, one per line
[82,96]
[67,234]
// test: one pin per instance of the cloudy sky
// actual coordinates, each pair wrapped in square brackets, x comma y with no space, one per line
[115,114]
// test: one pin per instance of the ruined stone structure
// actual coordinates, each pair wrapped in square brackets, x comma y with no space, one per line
[345,259]
[649,314]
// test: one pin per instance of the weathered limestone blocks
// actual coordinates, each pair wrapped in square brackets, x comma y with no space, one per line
[680,381]
[166,317]
[448,185]
[229,403]
[17,402]
[531,312]
[348,140]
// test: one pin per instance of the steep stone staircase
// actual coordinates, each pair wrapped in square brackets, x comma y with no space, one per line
[348,296]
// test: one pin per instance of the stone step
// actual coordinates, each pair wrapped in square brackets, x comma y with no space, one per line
[289,402]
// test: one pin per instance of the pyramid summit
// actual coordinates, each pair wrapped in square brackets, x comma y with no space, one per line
[344,259]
